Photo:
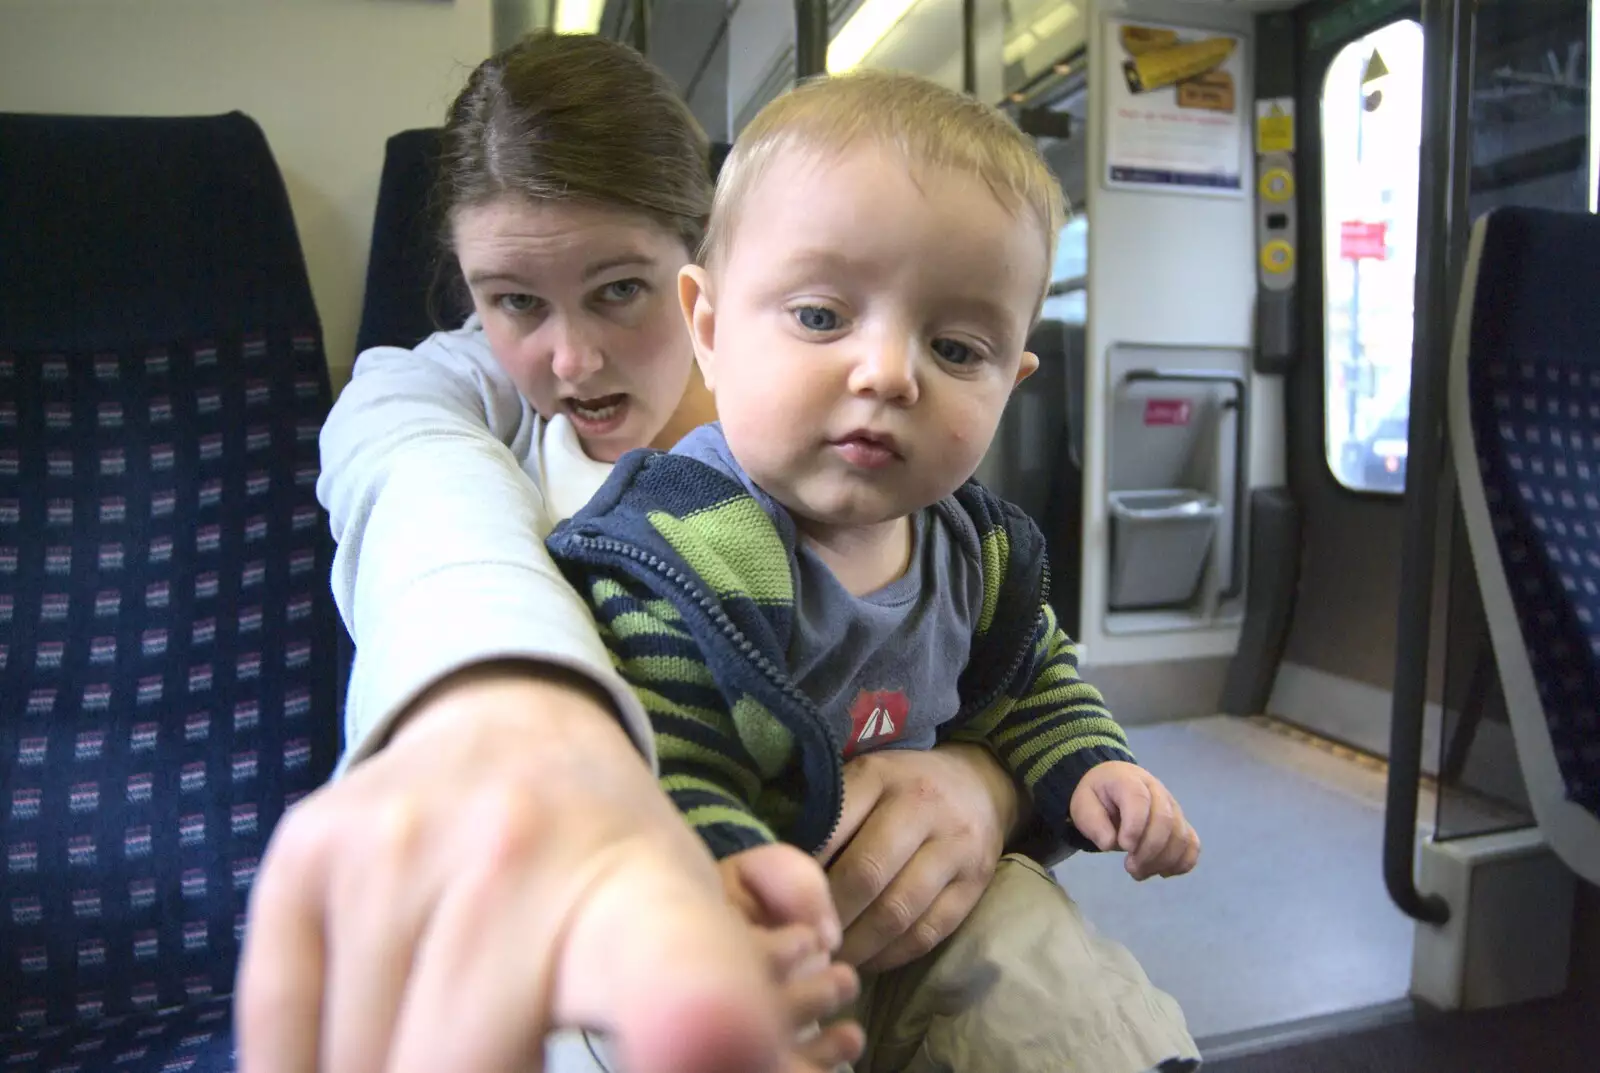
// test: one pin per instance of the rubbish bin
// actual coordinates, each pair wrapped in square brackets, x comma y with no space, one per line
[1159,543]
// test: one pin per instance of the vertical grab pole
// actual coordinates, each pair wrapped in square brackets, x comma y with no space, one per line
[639,32]
[810,38]
[969,47]
[1448,43]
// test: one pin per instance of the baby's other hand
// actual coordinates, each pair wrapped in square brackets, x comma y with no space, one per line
[1118,805]
[784,895]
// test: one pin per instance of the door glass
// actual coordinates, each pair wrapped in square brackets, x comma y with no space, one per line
[1532,109]
[1371,141]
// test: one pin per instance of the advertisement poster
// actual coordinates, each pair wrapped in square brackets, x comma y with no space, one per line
[1177,108]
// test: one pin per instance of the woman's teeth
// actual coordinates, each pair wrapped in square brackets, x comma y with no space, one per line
[597,409]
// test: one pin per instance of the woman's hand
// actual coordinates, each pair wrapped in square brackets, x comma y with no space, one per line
[921,835]
[505,866]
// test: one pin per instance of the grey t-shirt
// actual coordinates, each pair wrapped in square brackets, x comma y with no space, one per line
[883,667]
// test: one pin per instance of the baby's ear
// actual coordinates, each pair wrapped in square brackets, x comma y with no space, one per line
[1027,367]
[700,315]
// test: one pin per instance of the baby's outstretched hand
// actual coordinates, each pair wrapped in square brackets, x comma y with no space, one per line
[1118,805]
[784,895]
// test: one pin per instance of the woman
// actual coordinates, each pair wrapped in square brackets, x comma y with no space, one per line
[496,858]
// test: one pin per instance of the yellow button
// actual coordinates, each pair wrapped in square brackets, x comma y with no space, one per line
[1277,185]
[1277,257]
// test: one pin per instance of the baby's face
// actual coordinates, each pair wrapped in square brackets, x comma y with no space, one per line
[864,330]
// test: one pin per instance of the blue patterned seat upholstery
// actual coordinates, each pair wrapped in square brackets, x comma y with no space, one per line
[167,677]
[1525,428]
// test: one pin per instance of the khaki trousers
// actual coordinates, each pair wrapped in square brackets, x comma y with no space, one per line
[1024,985]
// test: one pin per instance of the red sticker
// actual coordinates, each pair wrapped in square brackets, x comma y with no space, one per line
[878,717]
[1167,411]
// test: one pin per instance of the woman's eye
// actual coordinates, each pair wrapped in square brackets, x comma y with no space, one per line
[953,352]
[817,319]
[623,290]
[517,303]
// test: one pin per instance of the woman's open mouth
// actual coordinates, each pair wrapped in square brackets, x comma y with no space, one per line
[598,415]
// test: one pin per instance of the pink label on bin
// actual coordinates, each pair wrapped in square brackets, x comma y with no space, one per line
[1167,411]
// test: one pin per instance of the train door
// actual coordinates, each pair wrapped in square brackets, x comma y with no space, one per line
[1360,118]
[1526,123]
[1521,132]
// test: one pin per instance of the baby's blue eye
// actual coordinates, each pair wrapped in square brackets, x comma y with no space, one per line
[817,318]
[953,352]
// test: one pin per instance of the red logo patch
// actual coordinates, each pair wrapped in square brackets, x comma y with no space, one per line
[878,717]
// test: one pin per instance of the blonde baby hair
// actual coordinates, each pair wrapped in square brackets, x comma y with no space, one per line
[931,126]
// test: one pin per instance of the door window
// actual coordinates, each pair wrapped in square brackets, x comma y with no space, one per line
[1371,143]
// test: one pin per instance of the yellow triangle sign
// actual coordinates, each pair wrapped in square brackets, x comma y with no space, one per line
[1376,68]
[1276,112]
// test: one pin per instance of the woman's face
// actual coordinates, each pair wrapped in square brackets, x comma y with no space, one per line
[580,306]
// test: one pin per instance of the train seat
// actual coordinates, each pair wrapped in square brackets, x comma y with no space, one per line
[1524,413]
[411,288]
[167,680]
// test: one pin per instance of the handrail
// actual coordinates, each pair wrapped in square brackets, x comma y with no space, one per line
[1241,439]
[1446,31]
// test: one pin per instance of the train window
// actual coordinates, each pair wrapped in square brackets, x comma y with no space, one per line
[1371,141]
[1532,112]
[920,37]
[1038,33]
[1068,300]
[1016,42]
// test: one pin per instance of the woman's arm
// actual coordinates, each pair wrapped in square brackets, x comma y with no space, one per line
[478,881]
[441,564]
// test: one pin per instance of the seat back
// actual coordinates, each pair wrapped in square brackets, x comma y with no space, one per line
[412,287]
[1063,518]
[1524,413]
[719,157]
[166,626]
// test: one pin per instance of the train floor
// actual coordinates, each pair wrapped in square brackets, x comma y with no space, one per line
[1555,1036]
[1287,918]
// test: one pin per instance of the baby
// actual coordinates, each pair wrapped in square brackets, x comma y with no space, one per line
[816,576]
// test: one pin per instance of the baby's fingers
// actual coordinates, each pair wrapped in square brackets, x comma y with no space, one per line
[790,952]
[786,887]
[1161,835]
[1182,854]
[831,1047]
[821,995]
[816,997]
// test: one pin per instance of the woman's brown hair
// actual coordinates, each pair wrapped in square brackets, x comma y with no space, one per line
[574,117]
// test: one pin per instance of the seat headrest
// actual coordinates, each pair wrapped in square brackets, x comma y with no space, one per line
[117,230]
[1537,294]
[412,287]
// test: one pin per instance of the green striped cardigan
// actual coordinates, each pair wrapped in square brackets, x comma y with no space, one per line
[691,583]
